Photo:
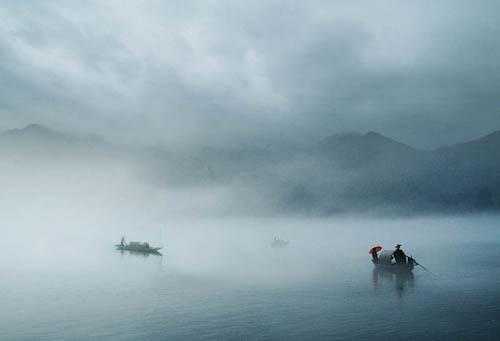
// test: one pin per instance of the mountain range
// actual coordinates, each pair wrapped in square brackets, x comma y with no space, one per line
[341,173]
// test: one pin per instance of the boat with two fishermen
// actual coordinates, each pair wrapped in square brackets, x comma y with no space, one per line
[139,247]
[395,261]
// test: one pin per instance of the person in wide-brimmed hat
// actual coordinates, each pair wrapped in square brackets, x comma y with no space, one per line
[399,255]
[374,252]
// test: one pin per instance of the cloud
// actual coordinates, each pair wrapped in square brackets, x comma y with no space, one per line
[219,72]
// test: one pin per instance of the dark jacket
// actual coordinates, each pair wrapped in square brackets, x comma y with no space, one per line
[399,256]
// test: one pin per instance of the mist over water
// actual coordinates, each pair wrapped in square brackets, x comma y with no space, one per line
[63,210]
[220,278]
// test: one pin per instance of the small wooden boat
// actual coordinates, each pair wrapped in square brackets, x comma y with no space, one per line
[385,262]
[279,243]
[138,247]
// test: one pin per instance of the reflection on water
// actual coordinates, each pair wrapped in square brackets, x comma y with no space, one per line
[139,254]
[400,281]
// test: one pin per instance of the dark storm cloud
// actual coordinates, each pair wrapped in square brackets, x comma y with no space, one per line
[232,72]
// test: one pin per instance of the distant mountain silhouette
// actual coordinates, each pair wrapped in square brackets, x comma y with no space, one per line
[36,131]
[466,171]
[42,136]
[484,149]
[358,150]
[344,172]
[371,141]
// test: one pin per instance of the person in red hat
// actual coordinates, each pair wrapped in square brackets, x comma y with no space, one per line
[374,252]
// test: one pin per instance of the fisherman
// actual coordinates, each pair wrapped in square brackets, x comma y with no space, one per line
[399,255]
[122,242]
[374,252]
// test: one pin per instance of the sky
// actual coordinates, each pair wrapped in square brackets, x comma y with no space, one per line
[197,73]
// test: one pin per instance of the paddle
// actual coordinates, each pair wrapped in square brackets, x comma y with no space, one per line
[423,267]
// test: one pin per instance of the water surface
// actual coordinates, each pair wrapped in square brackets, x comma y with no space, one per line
[220,279]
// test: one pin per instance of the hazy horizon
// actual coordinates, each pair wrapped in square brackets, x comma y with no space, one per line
[258,144]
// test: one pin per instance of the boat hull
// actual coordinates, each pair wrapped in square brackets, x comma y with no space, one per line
[280,244]
[396,268]
[152,250]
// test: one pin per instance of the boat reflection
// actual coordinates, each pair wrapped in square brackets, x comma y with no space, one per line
[140,253]
[401,281]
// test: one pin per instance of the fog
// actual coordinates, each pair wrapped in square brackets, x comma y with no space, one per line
[63,210]
[65,207]
[209,129]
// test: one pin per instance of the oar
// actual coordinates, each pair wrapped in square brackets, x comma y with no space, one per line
[423,267]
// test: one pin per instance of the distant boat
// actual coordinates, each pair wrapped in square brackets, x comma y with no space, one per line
[385,263]
[138,247]
[278,242]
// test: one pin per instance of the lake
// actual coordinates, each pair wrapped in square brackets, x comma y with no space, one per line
[220,279]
